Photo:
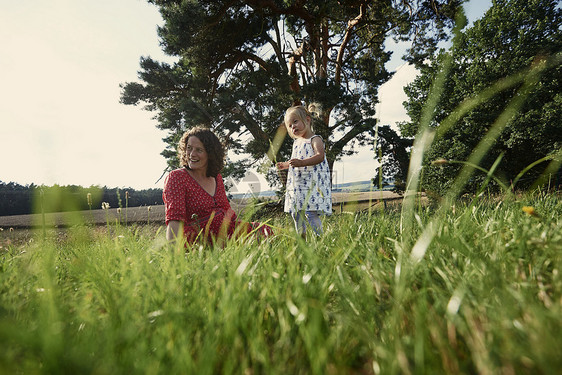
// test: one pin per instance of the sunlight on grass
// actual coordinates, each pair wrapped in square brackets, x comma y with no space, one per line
[463,285]
[487,296]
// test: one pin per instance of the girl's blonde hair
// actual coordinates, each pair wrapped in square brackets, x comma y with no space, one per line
[302,113]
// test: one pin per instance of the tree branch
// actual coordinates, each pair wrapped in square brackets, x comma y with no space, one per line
[325,49]
[293,59]
[361,127]
[276,45]
[237,57]
[253,127]
[350,26]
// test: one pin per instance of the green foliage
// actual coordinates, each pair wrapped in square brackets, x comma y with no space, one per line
[395,159]
[486,297]
[239,65]
[512,35]
[17,199]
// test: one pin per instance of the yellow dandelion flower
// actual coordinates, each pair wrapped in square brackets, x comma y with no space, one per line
[529,210]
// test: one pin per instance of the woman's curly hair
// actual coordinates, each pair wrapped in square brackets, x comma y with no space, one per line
[213,147]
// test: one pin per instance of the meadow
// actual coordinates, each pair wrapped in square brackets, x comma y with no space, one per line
[485,296]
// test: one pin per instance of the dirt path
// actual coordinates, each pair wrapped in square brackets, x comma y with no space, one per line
[155,214]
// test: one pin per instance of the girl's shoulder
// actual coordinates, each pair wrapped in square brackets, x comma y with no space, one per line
[316,136]
[316,140]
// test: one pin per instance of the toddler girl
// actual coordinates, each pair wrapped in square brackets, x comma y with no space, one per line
[308,181]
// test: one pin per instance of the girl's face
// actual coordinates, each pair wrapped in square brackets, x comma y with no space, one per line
[299,128]
[196,154]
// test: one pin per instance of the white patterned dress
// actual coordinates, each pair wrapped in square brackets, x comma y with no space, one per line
[308,188]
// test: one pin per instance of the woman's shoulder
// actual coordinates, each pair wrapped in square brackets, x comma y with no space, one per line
[218,179]
[177,174]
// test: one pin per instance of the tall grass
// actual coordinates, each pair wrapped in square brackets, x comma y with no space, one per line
[487,298]
[463,287]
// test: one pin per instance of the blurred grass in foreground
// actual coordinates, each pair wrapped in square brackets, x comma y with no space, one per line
[486,298]
[464,287]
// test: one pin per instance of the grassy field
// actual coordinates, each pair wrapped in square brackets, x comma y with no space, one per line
[484,297]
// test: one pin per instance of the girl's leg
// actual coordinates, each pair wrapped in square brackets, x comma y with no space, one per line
[300,224]
[315,222]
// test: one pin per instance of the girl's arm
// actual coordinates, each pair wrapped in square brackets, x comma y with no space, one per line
[317,158]
[283,165]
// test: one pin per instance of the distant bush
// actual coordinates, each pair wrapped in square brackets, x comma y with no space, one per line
[18,199]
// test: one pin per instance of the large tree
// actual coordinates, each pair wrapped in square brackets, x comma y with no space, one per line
[240,64]
[513,35]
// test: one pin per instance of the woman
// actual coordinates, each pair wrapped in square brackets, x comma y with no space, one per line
[194,196]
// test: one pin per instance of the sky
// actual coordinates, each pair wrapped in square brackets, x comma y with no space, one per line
[61,64]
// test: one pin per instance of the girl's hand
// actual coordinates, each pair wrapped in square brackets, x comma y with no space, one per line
[296,163]
[282,165]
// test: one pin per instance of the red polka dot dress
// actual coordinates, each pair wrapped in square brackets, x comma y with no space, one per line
[205,216]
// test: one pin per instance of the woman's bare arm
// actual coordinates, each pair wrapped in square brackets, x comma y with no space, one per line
[174,230]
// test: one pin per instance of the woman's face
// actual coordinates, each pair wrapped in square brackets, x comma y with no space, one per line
[197,157]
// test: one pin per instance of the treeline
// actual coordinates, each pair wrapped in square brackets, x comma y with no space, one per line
[17,199]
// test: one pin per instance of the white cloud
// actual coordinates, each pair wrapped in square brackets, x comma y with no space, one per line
[361,166]
[392,96]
